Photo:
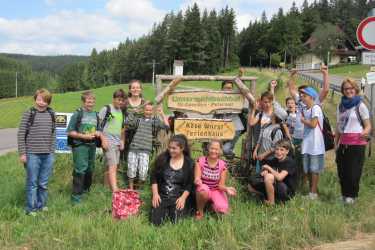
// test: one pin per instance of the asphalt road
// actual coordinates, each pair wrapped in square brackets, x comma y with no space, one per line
[8,140]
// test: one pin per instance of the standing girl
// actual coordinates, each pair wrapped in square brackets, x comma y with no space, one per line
[352,133]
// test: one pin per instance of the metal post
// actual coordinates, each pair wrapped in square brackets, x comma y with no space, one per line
[153,73]
[16,84]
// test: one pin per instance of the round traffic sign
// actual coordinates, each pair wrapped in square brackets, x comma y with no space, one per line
[366,33]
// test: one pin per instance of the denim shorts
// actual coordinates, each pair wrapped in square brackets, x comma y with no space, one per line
[313,163]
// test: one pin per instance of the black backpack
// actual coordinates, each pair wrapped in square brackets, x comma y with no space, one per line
[30,122]
[71,142]
[328,136]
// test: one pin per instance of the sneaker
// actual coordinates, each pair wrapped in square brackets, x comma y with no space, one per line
[44,209]
[313,196]
[349,200]
[32,214]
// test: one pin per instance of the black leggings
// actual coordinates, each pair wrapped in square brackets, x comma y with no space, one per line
[350,160]
[166,211]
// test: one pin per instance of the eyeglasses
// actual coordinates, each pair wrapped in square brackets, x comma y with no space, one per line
[350,88]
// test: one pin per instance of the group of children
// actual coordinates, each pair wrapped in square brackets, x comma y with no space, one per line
[288,142]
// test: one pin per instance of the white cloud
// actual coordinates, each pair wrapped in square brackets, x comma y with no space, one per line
[135,10]
[64,32]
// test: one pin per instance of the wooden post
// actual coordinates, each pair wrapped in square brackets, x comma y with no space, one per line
[158,85]
[171,86]
[244,90]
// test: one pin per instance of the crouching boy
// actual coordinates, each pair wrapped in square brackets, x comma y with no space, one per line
[278,180]
[83,135]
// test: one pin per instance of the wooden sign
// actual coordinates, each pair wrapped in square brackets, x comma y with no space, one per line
[205,102]
[198,129]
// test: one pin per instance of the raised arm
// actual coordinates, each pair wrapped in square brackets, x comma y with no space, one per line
[325,88]
[293,91]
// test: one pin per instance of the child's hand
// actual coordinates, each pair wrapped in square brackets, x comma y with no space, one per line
[261,157]
[121,145]
[198,182]
[180,203]
[231,191]
[104,144]
[156,200]
[266,168]
[263,173]
[23,158]
[255,155]
[293,72]
[324,69]
[159,109]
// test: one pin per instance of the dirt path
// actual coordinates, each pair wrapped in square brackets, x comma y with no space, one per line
[364,242]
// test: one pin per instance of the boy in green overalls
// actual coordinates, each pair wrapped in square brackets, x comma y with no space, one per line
[83,132]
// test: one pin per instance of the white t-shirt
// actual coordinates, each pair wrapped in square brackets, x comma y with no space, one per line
[313,141]
[298,127]
[348,121]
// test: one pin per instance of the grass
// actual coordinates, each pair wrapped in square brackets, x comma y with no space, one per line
[355,71]
[299,223]
[11,109]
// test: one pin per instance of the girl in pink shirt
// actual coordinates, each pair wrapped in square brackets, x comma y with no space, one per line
[210,175]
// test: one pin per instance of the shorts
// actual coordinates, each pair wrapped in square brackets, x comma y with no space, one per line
[112,155]
[138,163]
[313,163]
[217,197]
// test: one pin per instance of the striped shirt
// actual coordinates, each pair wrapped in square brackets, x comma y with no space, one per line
[142,140]
[40,139]
[211,176]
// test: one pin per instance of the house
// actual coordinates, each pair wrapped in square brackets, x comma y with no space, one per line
[343,53]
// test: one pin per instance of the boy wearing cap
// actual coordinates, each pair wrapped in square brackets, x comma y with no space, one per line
[312,149]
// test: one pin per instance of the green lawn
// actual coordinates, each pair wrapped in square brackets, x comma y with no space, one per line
[355,71]
[298,224]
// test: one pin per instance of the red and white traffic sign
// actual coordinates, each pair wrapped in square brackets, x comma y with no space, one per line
[366,33]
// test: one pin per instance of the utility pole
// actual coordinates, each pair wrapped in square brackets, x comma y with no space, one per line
[16,84]
[250,62]
[153,71]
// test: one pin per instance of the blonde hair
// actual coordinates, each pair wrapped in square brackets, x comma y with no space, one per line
[352,83]
[86,94]
[45,94]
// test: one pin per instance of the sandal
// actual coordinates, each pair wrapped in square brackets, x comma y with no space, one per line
[198,215]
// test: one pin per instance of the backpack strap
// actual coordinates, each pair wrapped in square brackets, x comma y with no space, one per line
[30,121]
[53,118]
[358,114]
[108,114]
[79,119]
[274,131]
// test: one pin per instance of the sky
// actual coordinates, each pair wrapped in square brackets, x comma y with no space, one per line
[61,27]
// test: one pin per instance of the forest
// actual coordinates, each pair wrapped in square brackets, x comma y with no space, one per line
[208,42]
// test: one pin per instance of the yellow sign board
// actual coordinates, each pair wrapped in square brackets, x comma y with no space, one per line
[205,102]
[198,129]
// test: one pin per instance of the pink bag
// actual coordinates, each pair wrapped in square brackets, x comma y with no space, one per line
[125,203]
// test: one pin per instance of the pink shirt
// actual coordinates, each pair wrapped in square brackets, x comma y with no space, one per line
[211,176]
[352,139]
